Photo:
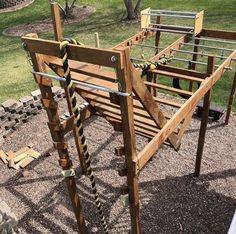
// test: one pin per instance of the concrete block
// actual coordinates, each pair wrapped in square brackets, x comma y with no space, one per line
[2,111]
[27,100]
[9,105]
[36,94]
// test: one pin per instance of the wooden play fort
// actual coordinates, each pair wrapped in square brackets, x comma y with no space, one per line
[127,91]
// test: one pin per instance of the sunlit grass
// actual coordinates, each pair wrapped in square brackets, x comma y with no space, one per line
[16,80]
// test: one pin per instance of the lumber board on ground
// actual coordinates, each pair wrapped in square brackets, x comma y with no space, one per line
[3,156]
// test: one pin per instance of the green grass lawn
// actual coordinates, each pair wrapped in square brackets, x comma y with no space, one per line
[16,80]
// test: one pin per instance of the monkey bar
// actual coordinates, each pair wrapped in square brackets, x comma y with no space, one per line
[130,103]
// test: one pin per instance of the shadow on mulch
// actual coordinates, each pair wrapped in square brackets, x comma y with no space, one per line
[173,205]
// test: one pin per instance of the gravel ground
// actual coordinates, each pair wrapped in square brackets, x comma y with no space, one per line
[172,200]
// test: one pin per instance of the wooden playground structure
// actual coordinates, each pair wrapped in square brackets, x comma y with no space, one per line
[128,97]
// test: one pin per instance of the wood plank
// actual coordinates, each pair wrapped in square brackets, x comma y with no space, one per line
[56,20]
[145,19]
[67,125]
[3,156]
[19,157]
[206,107]
[152,108]
[136,39]
[25,162]
[33,153]
[176,75]
[10,155]
[231,100]
[198,22]
[53,116]
[75,52]
[219,34]
[126,104]
[85,69]
[180,71]
[168,88]
[169,50]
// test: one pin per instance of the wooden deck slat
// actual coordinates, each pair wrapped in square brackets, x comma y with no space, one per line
[175,75]
[168,88]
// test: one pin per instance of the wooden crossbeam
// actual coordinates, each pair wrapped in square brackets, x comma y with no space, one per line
[79,53]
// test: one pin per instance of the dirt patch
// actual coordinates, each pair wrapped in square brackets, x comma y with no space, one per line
[172,200]
[79,13]
[16,7]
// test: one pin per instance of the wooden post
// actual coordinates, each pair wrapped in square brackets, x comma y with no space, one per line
[126,104]
[55,10]
[193,65]
[58,136]
[231,100]
[206,107]
[158,34]
[56,19]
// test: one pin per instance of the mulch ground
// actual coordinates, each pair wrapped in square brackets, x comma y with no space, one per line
[172,200]
[79,14]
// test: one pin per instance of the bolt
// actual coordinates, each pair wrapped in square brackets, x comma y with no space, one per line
[113,58]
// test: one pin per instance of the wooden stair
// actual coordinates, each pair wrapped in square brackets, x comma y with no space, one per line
[102,102]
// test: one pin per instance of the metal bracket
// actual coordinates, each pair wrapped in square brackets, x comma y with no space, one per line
[68,173]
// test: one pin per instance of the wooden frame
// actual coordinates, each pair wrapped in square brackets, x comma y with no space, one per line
[140,113]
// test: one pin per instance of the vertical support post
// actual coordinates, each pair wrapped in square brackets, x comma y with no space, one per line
[126,104]
[58,137]
[193,65]
[56,19]
[152,78]
[158,34]
[231,100]
[55,10]
[206,107]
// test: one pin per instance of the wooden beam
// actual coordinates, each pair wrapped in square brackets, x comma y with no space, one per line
[68,124]
[136,39]
[57,136]
[152,108]
[219,34]
[180,71]
[231,100]
[56,20]
[198,22]
[169,49]
[126,104]
[109,58]
[168,88]
[173,74]
[204,120]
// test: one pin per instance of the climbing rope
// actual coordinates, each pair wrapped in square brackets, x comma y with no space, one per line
[79,128]
[152,65]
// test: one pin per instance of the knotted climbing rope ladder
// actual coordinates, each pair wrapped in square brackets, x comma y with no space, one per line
[79,128]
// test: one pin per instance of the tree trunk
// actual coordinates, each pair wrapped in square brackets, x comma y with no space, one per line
[137,7]
[131,15]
